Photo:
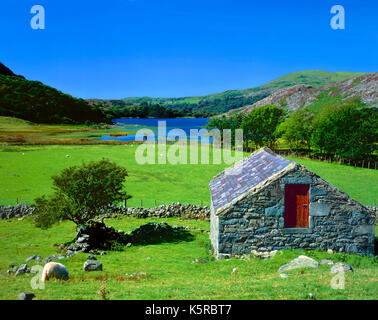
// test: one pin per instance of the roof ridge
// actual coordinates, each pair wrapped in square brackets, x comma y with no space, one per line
[260,166]
[258,187]
[266,149]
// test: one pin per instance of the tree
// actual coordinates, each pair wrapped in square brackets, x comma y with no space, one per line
[261,124]
[232,122]
[81,192]
[297,129]
[349,131]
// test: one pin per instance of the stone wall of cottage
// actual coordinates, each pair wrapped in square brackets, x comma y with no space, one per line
[256,222]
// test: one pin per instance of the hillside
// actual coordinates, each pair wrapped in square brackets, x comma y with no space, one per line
[232,99]
[292,98]
[36,102]
[5,71]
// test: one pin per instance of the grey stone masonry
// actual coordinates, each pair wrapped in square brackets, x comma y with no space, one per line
[187,211]
[17,211]
[256,220]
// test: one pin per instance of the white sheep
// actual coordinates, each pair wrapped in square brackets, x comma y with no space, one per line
[54,270]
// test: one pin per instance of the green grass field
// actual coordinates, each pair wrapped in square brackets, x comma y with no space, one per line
[25,173]
[173,275]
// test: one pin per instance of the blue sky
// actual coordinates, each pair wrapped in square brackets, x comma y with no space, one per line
[172,48]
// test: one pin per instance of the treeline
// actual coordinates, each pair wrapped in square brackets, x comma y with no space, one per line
[221,104]
[120,108]
[347,130]
[36,102]
[211,104]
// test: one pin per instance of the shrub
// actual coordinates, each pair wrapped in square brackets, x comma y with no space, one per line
[81,192]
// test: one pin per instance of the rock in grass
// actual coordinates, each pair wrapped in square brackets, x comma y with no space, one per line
[341,267]
[92,265]
[300,262]
[284,275]
[21,269]
[70,253]
[34,257]
[49,259]
[26,296]
[91,257]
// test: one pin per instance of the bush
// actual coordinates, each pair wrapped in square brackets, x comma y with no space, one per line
[350,131]
[81,192]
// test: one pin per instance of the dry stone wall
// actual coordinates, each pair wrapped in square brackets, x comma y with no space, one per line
[187,211]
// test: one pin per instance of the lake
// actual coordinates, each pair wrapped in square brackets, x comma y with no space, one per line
[172,123]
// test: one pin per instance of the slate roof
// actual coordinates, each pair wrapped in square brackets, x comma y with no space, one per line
[245,175]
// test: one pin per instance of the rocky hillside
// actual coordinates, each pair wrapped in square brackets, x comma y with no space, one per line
[5,71]
[232,99]
[301,96]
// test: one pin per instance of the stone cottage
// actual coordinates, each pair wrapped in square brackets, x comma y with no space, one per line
[267,202]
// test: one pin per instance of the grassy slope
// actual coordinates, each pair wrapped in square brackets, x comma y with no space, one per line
[28,176]
[34,101]
[316,78]
[173,275]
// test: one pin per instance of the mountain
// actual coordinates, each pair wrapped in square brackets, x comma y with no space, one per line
[292,98]
[5,71]
[232,99]
[36,102]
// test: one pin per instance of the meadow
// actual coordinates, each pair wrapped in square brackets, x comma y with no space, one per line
[172,272]
[25,173]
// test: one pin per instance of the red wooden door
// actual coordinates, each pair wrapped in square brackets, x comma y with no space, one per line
[296,205]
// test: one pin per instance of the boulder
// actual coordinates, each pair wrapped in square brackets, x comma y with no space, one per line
[26,296]
[34,257]
[92,265]
[21,270]
[300,262]
[341,267]
[49,259]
